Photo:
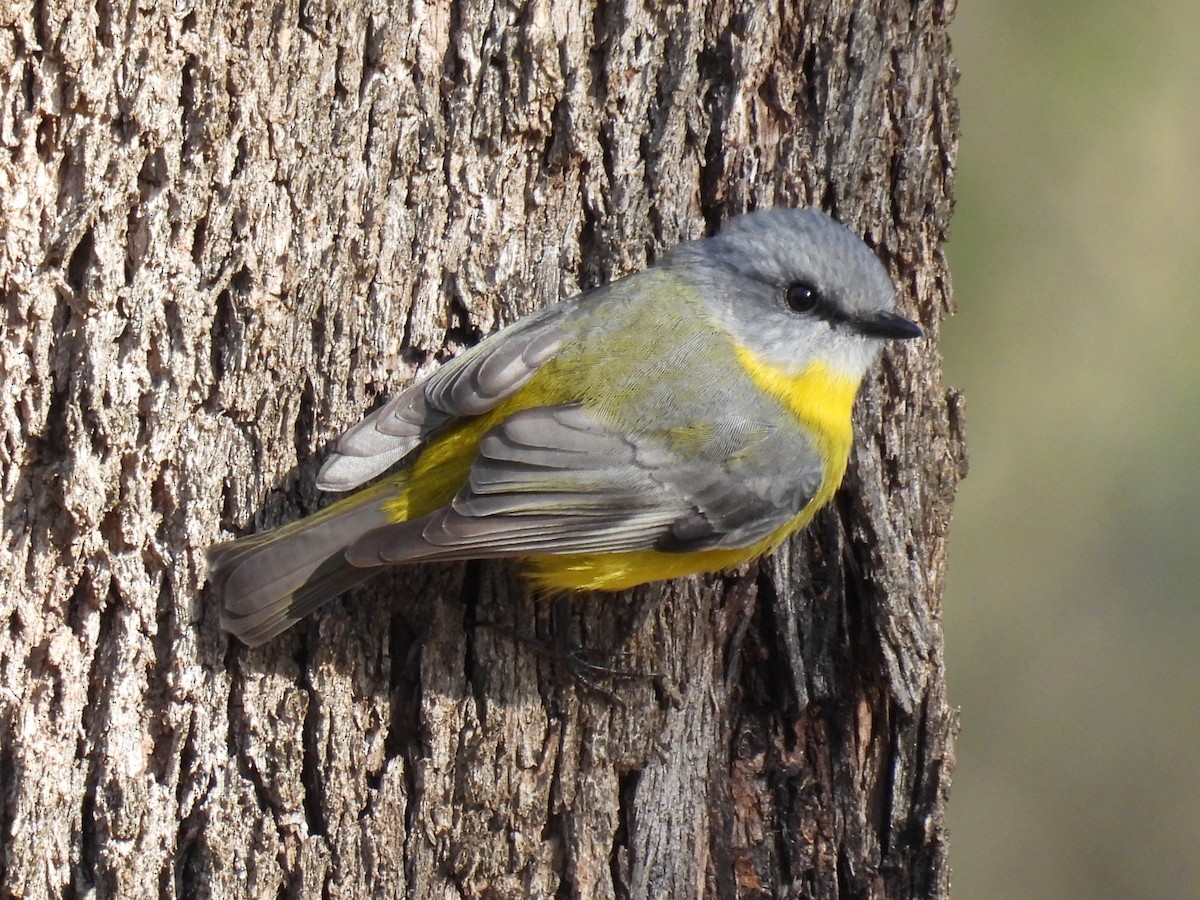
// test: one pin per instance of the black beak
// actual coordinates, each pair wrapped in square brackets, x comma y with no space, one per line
[887,326]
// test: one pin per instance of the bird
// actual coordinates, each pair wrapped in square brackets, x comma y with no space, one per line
[682,419]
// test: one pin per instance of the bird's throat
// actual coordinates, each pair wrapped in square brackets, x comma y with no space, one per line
[820,398]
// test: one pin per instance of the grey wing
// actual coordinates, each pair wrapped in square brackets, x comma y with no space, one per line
[471,383]
[554,480]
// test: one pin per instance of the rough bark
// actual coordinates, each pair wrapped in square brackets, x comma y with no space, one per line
[227,231]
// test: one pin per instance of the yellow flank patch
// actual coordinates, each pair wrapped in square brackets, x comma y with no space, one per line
[442,467]
[436,475]
[439,472]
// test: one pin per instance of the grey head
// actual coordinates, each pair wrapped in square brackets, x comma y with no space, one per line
[793,285]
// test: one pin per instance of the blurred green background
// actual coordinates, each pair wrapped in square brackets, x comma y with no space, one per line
[1072,620]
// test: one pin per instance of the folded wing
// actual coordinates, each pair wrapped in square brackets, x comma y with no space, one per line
[555,480]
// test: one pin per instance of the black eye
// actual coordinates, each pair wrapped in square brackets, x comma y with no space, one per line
[803,298]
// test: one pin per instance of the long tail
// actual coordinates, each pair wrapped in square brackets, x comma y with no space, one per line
[269,581]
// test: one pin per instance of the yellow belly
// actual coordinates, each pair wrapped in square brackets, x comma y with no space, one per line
[618,571]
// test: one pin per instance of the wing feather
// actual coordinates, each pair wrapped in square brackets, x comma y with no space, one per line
[553,480]
[469,385]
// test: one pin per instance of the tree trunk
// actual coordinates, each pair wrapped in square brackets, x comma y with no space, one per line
[226,234]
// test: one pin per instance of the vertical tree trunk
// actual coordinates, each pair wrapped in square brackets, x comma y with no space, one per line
[226,233]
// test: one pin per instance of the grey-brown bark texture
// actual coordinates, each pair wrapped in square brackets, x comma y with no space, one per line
[227,231]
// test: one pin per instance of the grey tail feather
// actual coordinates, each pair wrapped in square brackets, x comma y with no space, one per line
[267,582]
